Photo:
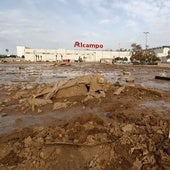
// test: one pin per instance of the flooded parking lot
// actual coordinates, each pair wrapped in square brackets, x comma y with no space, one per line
[51,108]
[45,73]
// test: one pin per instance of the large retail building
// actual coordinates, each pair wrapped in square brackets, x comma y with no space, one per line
[31,54]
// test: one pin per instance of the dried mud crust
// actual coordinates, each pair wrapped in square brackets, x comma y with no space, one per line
[92,90]
[118,135]
[118,141]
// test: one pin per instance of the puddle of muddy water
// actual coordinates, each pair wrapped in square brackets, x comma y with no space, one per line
[156,84]
[11,123]
[45,73]
[160,107]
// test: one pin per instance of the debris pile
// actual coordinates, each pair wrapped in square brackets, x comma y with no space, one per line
[84,90]
[116,135]
[118,141]
[84,123]
[90,87]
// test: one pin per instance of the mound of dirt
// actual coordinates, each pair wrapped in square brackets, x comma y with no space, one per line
[56,95]
[113,134]
[93,90]
[90,87]
[91,142]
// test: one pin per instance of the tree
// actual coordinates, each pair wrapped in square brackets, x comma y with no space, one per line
[125,59]
[118,58]
[142,56]
[136,52]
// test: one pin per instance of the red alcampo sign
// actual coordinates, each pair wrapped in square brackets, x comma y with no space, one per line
[82,45]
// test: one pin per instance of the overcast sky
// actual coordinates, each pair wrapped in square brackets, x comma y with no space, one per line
[59,23]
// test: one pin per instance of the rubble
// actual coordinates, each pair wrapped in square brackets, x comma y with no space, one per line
[90,86]
[4,114]
[119,90]
[84,123]
[130,79]
[59,105]
[137,144]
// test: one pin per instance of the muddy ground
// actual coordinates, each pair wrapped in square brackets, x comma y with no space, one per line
[84,116]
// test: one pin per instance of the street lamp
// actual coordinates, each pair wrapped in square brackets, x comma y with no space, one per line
[146,36]
[119,49]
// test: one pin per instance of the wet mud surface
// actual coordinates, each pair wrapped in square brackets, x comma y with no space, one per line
[84,116]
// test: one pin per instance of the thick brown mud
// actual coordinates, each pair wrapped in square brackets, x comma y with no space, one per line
[84,116]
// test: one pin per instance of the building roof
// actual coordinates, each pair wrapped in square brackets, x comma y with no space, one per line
[161,47]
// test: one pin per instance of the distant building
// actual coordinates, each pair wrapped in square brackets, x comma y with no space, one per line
[162,52]
[34,55]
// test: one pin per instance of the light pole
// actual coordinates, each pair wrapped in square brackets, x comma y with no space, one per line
[146,36]
[119,49]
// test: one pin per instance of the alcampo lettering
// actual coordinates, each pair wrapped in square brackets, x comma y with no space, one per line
[80,44]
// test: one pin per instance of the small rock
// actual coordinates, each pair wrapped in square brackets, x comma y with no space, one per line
[28,141]
[4,114]
[39,111]
[119,90]
[7,100]
[137,164]
[76,141]
[128,128]
[130,79]
[60,105]
[29,86]
[42,155]
[21,67]
[121,74]
[74,103]
[159,131]
[88,98]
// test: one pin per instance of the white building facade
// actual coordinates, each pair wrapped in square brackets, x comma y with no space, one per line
[162,52]
[35,55]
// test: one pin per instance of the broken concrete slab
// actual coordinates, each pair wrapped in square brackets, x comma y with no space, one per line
[74,87]
[77,90]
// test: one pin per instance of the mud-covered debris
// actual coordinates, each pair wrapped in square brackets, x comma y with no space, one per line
[137,165]
[130,79]
[90,87]
[121,74]
[128,128]
[119,90]
[75,87]
[97,130]
[112,142]
[20,94]
[21,67]
[60,105]
[39,102]
[4,114]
